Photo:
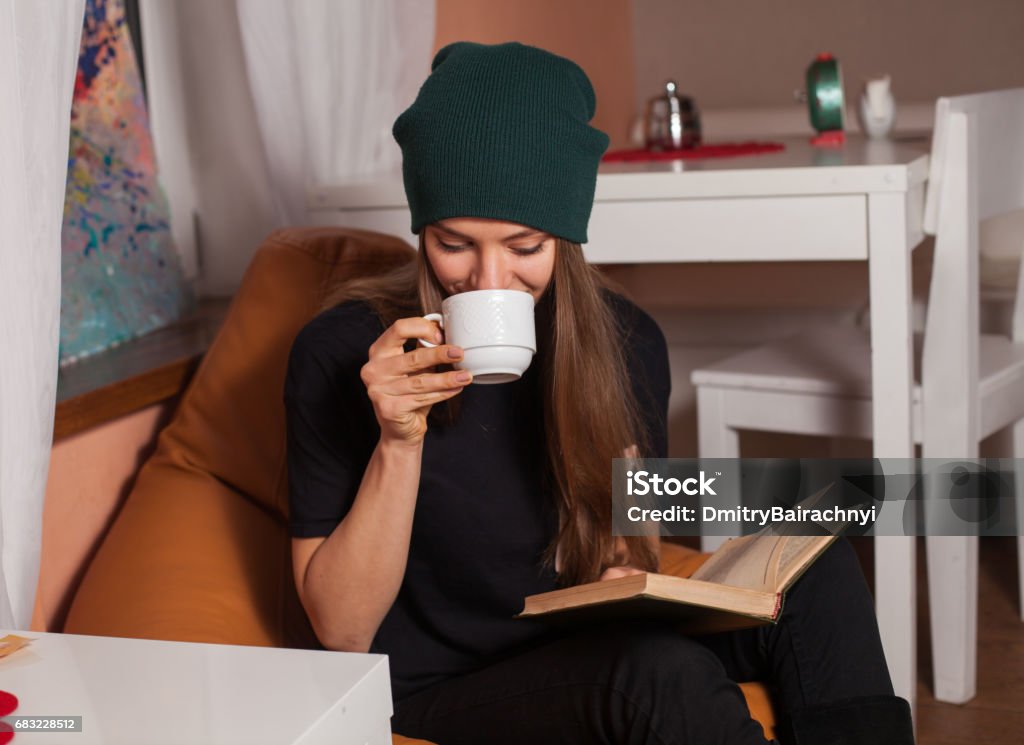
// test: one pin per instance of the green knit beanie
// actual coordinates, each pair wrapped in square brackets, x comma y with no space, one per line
[502,132]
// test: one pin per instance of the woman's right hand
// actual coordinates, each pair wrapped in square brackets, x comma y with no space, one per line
[401,384]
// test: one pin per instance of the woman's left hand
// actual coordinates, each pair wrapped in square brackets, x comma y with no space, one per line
[618,562]
[626,570]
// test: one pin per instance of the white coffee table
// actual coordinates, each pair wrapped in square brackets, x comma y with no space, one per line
[137,691]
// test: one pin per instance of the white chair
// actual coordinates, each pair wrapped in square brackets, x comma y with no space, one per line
[969,385]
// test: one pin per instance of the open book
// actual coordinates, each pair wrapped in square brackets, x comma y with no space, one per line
[741,585]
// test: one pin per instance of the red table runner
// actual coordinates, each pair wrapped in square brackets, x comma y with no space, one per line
[714,150]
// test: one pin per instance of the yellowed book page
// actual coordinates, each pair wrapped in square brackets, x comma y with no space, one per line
[796,553]
[762,562]
[743,562]
[647,588]
[713,595]
[588,594]
[768,560]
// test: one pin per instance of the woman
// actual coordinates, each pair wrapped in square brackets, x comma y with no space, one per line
[424,509]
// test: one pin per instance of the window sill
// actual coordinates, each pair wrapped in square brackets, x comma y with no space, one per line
[136,374]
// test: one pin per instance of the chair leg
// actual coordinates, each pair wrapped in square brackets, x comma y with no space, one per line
[1018,455]
[715,439]
[953,597]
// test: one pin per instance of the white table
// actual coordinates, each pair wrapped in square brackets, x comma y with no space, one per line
[864,201]
[139,691]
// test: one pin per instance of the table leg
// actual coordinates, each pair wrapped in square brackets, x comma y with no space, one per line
[892,387]
[716,439]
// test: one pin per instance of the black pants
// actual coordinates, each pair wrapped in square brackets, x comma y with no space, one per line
[648,684]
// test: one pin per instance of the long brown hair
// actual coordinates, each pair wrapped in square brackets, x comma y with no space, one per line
[590,412]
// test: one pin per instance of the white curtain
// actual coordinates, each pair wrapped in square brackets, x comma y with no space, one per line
[251,100]
[38,59]
[328,80]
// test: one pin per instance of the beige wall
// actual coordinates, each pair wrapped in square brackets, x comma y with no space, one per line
[90,475]
[736,54]
[596,34]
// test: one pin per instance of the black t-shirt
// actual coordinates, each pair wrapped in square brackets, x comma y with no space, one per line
[482,520]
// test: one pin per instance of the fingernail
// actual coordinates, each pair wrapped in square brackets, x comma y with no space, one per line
[463,377]
[438,337]
[454,353]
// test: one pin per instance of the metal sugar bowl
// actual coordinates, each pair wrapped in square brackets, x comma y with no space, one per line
[672,121]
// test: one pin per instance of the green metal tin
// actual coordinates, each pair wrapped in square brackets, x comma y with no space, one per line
[825,93]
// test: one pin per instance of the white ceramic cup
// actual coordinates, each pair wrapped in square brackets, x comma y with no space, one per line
[494,328]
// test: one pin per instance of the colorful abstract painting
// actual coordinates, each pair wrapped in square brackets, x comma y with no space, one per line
[121,274]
